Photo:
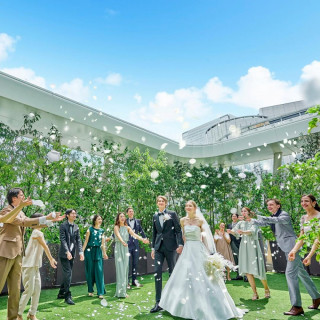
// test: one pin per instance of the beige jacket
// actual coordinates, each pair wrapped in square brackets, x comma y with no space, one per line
[12,234]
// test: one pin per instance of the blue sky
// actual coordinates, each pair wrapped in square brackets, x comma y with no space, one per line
[167,66]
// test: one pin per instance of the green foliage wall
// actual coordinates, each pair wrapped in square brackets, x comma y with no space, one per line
[110,178]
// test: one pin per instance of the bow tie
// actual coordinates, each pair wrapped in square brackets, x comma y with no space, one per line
[161,213]
[131,220]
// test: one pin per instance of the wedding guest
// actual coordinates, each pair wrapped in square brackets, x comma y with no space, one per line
[251,261]
[121,253]
[12,247]
[310,205]
[94,253]
[31,263]
[235,243]
[69,241]
[133,245]
[166,241]
[222,241]
[281,225]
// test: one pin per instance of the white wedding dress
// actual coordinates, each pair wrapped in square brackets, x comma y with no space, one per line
[189,293]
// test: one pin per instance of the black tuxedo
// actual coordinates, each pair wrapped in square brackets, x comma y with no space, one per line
[133,246]
[68,243]
[165,240]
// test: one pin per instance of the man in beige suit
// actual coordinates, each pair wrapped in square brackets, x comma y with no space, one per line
[12,246]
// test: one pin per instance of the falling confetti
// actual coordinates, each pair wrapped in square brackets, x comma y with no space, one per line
[154,174]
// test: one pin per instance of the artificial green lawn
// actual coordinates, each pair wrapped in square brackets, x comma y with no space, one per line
[141,300]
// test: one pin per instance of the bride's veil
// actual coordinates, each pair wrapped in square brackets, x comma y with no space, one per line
[207,237]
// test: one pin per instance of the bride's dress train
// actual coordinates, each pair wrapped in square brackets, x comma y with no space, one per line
[189,293]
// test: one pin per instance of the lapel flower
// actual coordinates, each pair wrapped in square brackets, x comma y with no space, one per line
[166,217]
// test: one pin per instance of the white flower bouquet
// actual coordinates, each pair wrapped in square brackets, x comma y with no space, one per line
[215,266]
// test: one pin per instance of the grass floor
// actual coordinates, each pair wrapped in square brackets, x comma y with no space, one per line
[141,300]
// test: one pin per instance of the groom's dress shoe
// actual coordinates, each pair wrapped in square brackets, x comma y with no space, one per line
[315,304]
[156,308]
[69,301]
[295,311]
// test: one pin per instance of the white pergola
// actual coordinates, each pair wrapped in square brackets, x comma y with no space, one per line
[81,125]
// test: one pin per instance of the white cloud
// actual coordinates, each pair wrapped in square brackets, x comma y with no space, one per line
[113,79]
[311,82]
[75,89]
[26,75]
[182,104]
[6,45]
[258,88]
[216,92]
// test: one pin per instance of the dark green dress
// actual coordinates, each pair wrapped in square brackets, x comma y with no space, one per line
[94,261]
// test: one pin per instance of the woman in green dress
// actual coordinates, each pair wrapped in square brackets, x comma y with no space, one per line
[94,253]
[121,253]
[251,262]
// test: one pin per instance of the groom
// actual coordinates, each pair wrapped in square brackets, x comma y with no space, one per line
[166,234]
[281,225]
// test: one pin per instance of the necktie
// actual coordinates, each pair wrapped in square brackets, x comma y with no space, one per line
[71,229]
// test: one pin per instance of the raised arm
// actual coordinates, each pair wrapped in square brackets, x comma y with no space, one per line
[136,236]
[7,216]
[283,218]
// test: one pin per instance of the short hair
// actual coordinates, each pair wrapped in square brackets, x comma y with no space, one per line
[128,209]
[13,193]
[163,198]
[36,215]
[235,214]
[275,200]
[68,211]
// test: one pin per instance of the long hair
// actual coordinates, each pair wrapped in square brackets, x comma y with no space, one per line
[313,199]
[117,223]
[251,214]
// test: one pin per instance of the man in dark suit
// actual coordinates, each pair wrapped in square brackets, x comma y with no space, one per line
[70,240]
[133,244]
[166,234]
[235,243]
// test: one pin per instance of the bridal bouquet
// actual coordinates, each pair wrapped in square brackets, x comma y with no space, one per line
[215,266]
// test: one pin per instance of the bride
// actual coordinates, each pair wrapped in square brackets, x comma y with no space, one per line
[189,292]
